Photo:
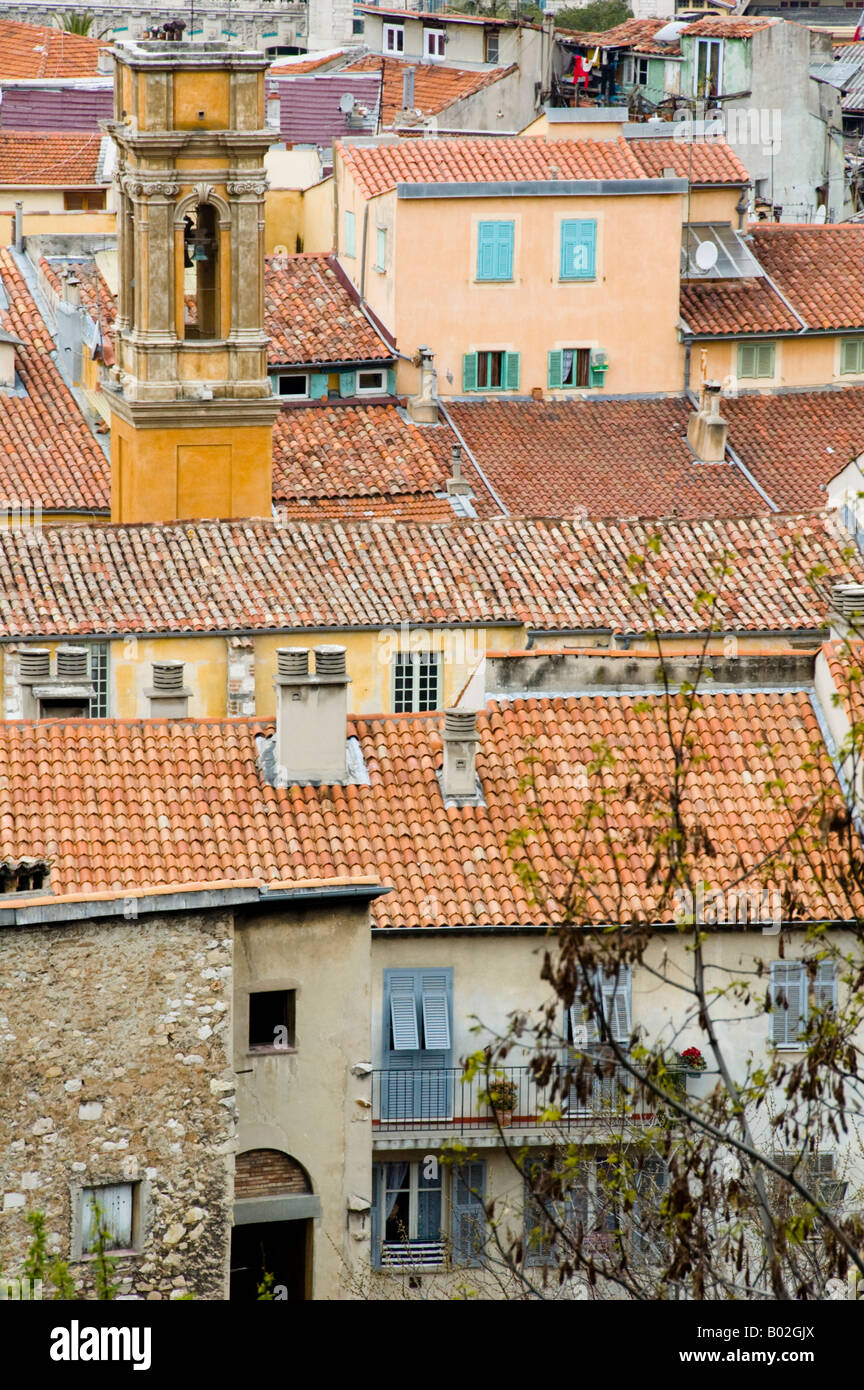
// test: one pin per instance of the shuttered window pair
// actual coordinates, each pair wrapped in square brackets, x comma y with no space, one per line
[409,1225]
[569,367]
[615,992]
[578,249]
[794,995]
[756,359]
[417,1081]
[490,371]
[495,250]
[852,356]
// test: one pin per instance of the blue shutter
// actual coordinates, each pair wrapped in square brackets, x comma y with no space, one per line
[417,1084]
[556,369]
[436,1017]
[788,1002]
[377,1172]
[467,1213]
[350,234]
[347,383]
[469,371]
[511,371]
[616,992]
[495,250]
[578,249]
[403,1012]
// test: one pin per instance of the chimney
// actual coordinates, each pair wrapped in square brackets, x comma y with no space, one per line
[408,89]
[423,408]
[18,227]
[72,291]
[168,696]
[311,716]
[8,344]
[274,111]
[459,777]
[72,665]
[456,485]
[104,61]
[706,428]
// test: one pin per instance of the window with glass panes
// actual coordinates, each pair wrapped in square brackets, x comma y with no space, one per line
[416,682]
[412,1213]
[99,680]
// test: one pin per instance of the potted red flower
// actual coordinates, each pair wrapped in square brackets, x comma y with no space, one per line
[692,1059]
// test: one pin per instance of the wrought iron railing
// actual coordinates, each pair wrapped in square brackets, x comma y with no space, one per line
[424,1098]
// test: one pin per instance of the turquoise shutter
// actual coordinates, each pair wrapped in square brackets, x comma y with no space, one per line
[350,234]
[317,385]
[347,383]
[486,249]
[788,1002]
[578,249]
[556,368]
[469,371]
[511,371]
[377,1173]
[504,252]
[380,248]
[825,986]
[468,1213]
[391,382]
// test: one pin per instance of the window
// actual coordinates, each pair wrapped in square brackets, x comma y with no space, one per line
[416,682]
[84,200]
[357,25]
[570,367]
[409,1222]
[490,371]
[113,1209]
[795,994]
[490,46]
[635,72]
[707,67]
[271,1020]
[556,1213]
[614,993]
[433,43]
[99,680]
[578,249]
[292,384]
[756,359]
[381,248]
[373,384]
[350,234]
[852,355]
[394,38]
[495,250]
[417,1048]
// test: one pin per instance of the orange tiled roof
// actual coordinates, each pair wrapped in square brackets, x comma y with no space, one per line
[108,802]
[35,50]
[702,161]
[820,270]
[606,457]
[295,67]
[48,158]
[421,507]
[636,34]
[735,306]
[722,27]
[554,576]
[795,442]
[47,453]
[436,85]
[311,316]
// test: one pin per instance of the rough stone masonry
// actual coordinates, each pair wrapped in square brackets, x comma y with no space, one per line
[115,1067]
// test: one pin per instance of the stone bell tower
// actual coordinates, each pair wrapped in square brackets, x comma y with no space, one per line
[193,412]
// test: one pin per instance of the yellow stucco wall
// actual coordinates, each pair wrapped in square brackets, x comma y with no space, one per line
[805,361]
[180,474]
[317,228]
[196,92]
[42,222]
[621,312]
[283,220]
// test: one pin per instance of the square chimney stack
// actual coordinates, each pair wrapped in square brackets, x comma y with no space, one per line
[706,428]
[311,716]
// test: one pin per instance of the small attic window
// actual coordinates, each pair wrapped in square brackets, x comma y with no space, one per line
[23,876]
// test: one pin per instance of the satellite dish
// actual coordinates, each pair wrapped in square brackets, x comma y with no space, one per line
[346,104]
[821,214]
[706,255]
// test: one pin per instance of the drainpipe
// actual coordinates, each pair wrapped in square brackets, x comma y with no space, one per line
[688,345]
[363,252]
[18,234]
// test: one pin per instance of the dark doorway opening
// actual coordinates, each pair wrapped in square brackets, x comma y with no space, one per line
[280,1248]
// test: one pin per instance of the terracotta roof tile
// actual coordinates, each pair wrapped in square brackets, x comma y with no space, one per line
[34,50]
[565,576]
[635,34]
[311,316]
[293,66]
[127,783]
[48,159]
[795,442]
[436,85]
[721,27]
[702,161]
[606,457]
[47,453]
[818,269]
[735,306]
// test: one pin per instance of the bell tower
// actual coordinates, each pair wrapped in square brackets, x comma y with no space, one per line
[192,409]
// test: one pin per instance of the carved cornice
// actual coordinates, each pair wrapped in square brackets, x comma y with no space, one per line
[136,187]
[258,187]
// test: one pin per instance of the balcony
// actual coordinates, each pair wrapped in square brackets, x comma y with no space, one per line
[441,1101]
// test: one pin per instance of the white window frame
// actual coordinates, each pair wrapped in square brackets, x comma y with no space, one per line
[418,659]
[400,1251]
[371,390]
[290,395]
[709,44]
[434,51]
[393,32]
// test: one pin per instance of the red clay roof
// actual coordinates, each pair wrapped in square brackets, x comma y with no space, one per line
[795,442]
[109,803]
[555,576]
[735,306]
[311,316]
[293,66]
[436,85]
[820,270]
[49,159]
[34,50]
[702,162]
[636,34]
[721,27]
[47,453]
[604,457]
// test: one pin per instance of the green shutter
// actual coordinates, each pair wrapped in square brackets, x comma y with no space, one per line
[788,1002]
[511,371]
[495,250]
[755,359]
[468,1213]
[746,359]
[852,355]
[504,255]
[391,382]
[469,371]
[765,359]
[347,383]
[556,368]
[350,234]
[578,249]
[381,248]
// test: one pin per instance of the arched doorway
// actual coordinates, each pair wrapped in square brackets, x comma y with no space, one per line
[271,1242]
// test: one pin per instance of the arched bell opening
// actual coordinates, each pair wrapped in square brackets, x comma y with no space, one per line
[201,273]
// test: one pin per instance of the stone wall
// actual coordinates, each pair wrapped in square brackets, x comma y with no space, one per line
[115,1067]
